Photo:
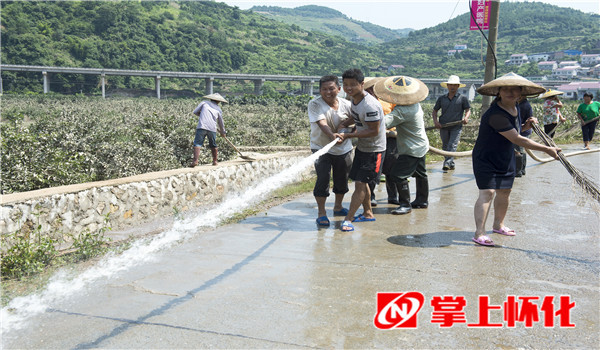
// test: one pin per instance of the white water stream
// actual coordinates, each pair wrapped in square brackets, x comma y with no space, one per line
[61,286]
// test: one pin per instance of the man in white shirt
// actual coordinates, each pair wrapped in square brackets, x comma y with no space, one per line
[325,114]
[367,115]
[209,114]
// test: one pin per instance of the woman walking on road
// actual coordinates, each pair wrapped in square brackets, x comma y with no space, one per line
[493,154]
[588,112]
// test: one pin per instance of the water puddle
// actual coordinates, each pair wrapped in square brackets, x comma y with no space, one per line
[61,286]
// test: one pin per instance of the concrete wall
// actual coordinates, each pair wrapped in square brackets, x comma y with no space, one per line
[137,199]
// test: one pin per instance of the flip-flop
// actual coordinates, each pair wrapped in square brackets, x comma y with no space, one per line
[483,240]
[323,221]
[505,231]
[362,218]
[347,226]
[341,212]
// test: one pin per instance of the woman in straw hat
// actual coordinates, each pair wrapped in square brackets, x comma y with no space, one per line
[494,155]
[210,117]
[552,113]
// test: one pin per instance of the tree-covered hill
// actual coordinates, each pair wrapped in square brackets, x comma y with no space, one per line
[529,27]
[330,21]
[192,36]
[207,36]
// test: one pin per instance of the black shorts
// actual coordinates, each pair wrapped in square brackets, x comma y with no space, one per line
[340,164]
[366,166]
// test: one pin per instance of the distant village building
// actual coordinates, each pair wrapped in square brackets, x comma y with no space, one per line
[452,52]
[547,65]
[537,57]
[590,60]
[575,90]
[595,71]
[565,72]
[561,54]
[460,47]
[378,69]
[565,64]
[517,59]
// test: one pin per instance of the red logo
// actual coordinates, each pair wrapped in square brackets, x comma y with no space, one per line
[398,310]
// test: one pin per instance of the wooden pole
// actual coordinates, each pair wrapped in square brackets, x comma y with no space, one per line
[490,64]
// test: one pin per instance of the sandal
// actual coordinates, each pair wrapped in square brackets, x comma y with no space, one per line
[347,226]
[505,231]
[483,240]
[323,221]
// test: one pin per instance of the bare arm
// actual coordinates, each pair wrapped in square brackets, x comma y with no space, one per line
[325,129]
[467,115]
[513,136]
[372,130]
[435,119]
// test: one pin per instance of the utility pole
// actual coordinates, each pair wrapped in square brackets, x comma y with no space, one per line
[490,64]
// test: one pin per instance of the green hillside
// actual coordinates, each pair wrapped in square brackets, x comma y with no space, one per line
[329,21]
[207,36]
[523,28]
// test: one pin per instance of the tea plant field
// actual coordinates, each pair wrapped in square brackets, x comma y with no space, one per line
[60,140]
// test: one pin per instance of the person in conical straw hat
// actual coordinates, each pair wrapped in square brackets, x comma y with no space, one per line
[210,117]
[494,153]
[390,151]
[456,111]
[552,113]
[411,139]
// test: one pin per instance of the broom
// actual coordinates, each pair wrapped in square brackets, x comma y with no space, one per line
[580,178]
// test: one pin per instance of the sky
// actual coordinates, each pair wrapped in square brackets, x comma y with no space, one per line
[399,14]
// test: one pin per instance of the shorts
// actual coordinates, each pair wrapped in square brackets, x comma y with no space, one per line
[201,134]
[366,166]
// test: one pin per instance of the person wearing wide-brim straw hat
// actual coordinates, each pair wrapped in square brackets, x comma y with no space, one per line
[456,111]
[411,140]
[210,117]
[494,152]
[551,107]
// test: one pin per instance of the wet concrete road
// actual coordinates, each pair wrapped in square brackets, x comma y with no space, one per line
[277,281]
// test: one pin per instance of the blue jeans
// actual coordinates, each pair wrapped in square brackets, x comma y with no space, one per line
[450,137]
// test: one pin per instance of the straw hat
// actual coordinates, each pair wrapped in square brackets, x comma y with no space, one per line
[216,97]
[453,79]
[371,81]
[401,90]
[510,79]
[551,93]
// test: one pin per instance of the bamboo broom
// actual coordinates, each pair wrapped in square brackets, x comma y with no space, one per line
[580,178]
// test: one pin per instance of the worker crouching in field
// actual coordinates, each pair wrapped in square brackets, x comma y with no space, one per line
[210,116]
[412,142]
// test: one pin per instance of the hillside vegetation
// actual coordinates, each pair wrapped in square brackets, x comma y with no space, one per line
[330,21]
[206,36]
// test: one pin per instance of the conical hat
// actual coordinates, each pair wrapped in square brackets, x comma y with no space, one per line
[216,97]
[510,79]
[551,93]
[371,81]
[401,90]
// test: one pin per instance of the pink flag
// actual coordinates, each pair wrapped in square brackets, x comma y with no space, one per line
[480,11]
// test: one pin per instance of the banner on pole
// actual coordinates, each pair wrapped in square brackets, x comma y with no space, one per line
[480,10]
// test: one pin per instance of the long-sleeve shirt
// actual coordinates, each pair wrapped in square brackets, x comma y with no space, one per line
[209,114]
[408,120]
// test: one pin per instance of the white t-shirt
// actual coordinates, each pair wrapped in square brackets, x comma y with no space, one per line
[318,109]
[369,110]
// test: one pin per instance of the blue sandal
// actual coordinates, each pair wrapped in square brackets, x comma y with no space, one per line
[341,212]
[323,221]
[347,226]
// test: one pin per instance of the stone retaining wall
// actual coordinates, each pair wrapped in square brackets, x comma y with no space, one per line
[137,199]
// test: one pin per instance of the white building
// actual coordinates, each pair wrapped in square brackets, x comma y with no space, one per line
[565,72]
[590,60]
[547,65]
[537,57]
[518,59]
[575,90]
[564,64]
